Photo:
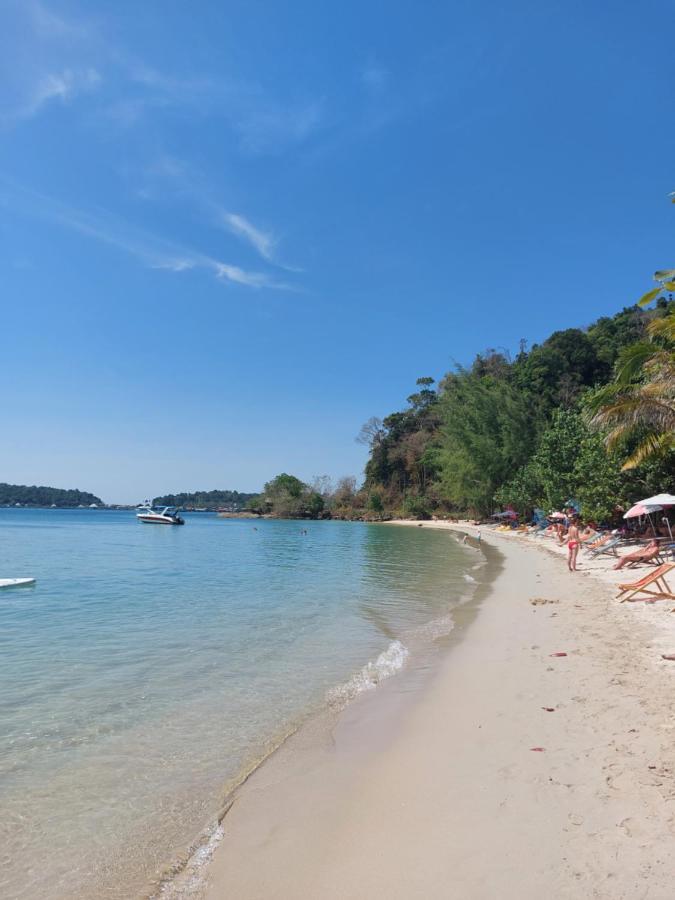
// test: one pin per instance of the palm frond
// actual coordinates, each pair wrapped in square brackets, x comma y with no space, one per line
[631,362]
[640,402]
[663,328]
[653,445]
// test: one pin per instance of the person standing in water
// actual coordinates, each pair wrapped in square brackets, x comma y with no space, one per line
[572,546]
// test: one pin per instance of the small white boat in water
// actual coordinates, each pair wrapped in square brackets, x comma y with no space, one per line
[167,515]
[16,582]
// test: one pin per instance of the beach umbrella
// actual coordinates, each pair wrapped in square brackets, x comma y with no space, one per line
[643,509]
[659,500]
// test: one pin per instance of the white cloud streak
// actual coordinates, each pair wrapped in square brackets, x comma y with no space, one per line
[154,252]
[54,59]
[57,86]
[50,26]
[262,241]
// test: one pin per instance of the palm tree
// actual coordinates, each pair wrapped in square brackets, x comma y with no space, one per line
[639,405]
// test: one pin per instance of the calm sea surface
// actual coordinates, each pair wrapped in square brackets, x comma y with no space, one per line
[151,666]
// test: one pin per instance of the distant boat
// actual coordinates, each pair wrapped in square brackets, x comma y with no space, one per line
[16,582]
[167,515]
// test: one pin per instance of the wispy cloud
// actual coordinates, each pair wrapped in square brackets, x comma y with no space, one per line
[263,242]
[179,178]
[55,58]
[267,126]
[151,250]
[57,86]
[49,25]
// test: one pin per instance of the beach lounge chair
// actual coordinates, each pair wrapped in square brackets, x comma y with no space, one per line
[595,540]
[646,585]
[607,547]
[649,554]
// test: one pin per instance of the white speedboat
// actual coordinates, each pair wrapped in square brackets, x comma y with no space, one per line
[16,582]
[167,515]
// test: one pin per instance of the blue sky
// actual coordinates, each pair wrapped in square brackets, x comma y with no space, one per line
[232,232]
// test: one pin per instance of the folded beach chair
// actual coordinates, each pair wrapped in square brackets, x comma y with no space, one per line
[646,585]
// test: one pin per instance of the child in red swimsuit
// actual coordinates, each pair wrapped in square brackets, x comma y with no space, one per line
[572,546]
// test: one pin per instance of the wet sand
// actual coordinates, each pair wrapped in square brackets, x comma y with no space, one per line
[461,783]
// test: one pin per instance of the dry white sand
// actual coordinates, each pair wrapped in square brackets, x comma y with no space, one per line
[446,797]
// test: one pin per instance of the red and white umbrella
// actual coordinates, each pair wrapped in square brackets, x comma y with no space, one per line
[641,509]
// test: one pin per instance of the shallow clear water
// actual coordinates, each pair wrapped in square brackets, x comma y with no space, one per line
[151,666]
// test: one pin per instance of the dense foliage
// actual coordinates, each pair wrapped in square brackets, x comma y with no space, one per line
[11,494]
[233,501]
[287,497]
[527,433]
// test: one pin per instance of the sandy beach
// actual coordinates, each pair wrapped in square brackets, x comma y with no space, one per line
[508,772]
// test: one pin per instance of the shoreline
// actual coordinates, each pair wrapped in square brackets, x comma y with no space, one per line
[413,791]
[184,875]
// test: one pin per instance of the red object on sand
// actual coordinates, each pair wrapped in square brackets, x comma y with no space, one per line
[558,654]
[548,708]
[537,749]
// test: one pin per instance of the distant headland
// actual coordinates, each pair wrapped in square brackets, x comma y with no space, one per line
[32,495]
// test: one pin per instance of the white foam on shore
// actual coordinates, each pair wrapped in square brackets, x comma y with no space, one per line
[469,578]
[388,663]
[189,882]
[435,628]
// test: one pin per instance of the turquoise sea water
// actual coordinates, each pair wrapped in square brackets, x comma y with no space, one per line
[151,666]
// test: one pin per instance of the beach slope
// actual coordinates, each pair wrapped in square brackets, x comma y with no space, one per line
[517,772]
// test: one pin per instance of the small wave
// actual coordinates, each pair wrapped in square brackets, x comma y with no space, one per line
[388,663]
[469,578]
[189,881]
[436,628]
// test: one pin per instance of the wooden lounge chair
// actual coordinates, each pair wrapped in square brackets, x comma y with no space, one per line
[644,585]
[592,543]
[649,554]
[607,547]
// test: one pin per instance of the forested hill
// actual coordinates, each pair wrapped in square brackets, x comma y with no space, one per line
[230,500]
[11,494]
[587,414]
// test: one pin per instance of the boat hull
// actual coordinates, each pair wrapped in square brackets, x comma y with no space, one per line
[159,520]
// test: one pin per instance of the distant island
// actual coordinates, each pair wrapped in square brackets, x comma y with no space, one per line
[229,501]
[25,495]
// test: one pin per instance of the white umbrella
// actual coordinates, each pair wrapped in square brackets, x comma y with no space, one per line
[656,503]
[659,500]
